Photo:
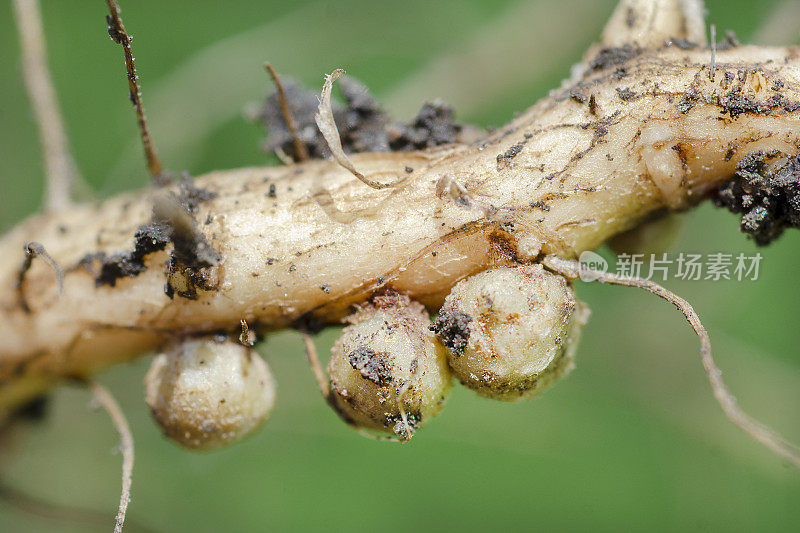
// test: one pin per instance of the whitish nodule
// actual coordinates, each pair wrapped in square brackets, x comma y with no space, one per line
[206,393]
[511,332]
[387,371]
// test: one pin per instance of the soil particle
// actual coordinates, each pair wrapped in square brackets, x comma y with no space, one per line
[630,17]
[33,410]
[511,153]
[434,125]
[766,191]
[190,247]
[452,328]
[149,238]
[302,105]
[731,151]
[363,125]
[626,95]
[173,223]
[404,429]
[309,323]
[621,72]
[683,44]
[736,104]
[374,366]
[687,102]
[540,205]
[192,196]
[576,96]
[592,105]
[613,57]
[730,41]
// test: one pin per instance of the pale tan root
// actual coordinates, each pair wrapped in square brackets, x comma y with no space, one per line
[110,405]
[582,173]
[58,513]
[605,152]
[58,162]
[765,435]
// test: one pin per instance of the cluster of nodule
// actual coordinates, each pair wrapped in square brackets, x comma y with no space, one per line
[506,333]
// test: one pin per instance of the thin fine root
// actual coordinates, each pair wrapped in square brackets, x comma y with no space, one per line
[301,152]
[58,513]
[116,30]
[327,126]
[313,360]
[33,250]
[712,69]
[760,432]
[58,161]
[322,384]
[107,402]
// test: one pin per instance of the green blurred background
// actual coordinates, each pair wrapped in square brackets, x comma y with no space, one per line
[632,440]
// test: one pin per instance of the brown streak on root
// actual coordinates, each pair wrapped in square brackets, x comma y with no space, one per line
[768,437]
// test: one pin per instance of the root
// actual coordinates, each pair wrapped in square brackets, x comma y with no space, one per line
[566,180]
[327,126]
[116,30]
[104,398]
[299,146]
[60,514]
[32,250]
[768,437]
[58,161]
[313,360]
[712,69]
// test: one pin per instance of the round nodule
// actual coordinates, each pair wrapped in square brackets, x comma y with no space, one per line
[206,393]
[512,331]
[387,371]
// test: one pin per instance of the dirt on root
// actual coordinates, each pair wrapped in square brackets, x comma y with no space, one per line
[173,223]
[766,190]
[363,126]
[452,328]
